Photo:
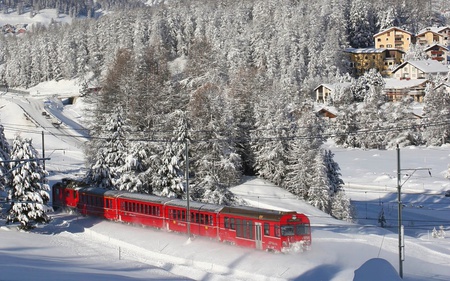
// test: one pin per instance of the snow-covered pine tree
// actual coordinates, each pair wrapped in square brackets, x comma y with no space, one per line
[436,113]
[4,155]
[319,193]
[29,190]
[269,139]
[304,144]
[341,207]
[215,162]
[111,152]
[167,163]
[332,168]
[361,24]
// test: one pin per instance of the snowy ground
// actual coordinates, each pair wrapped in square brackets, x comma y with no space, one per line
[88,248]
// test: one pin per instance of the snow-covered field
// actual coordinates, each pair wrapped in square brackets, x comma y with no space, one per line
[78,248]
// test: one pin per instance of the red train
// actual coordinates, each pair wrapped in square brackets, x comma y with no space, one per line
[238,225]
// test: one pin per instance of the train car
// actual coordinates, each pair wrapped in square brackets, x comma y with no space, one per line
[142,209]
[264,229]
[65,195]
[203,220]
[98,202]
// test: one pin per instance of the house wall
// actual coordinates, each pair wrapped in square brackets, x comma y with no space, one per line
[438,53]
[363,62]
[409,72]
[429,38]
[322,94]
[393,38]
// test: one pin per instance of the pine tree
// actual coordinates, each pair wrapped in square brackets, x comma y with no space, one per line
[305,143]
[29,190]
[4,155]
[167,164]
[436,111]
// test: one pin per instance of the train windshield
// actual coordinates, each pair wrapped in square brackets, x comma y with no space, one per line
[294,229]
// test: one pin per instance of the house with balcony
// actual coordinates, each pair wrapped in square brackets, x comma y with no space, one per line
[383,60]
[433,35]
[421,69]
[393,38]
[396,90]
[324,92]
[438,52]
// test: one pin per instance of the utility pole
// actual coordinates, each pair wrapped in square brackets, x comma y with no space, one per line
[186,175]
[399,199]
[401,241]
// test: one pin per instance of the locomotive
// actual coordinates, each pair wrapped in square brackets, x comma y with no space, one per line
[262,229]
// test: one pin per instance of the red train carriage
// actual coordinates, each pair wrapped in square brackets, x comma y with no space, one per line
[203,218]
[98,202]
[264,229]
[142,209]
[65,195]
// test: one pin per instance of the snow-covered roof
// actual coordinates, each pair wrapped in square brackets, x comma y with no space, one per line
[333,86]
[392,28]
[434,45]
[391,83]
[433,29]
[426,66]
[365,50]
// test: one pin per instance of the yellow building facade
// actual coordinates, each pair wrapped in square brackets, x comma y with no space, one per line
[393,38]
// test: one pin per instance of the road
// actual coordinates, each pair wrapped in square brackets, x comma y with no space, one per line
[54,123]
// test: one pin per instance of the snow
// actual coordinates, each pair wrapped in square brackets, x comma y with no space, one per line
[73,247]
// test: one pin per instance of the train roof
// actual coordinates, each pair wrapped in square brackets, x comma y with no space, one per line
[101,191]
[145,197]
[257,213]
[194,205]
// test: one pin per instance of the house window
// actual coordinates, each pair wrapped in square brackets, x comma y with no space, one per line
[389,45]
[388,34]
[379,40]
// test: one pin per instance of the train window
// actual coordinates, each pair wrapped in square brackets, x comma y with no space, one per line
[57,191]
[301,229]
[202,218]
[232,225]
[197,217]
[238,228]
[153,210]
[227,222]
[158,211]
[266,229]
[277,230]
[287,230]
[75,195]
[178,214]
[211,222]
[249,230]
[206,219]
[183,215]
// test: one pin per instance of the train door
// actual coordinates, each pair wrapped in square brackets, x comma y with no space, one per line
[258,236]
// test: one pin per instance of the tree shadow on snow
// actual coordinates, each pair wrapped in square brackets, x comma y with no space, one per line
[319,273]
[66,222]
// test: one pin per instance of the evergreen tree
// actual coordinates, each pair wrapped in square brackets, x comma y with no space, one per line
[4,156]
[304,145]
[29,190]
[436,111]
[167,164]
